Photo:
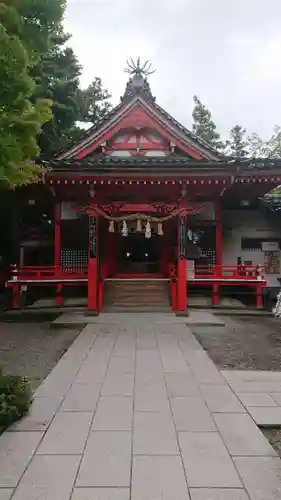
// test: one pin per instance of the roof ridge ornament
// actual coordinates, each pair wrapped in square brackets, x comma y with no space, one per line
[138,85]
[135,68]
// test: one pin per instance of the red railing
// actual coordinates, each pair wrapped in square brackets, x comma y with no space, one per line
[224,272]
[41,273]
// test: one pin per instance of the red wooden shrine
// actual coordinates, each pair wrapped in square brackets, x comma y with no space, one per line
[138,181]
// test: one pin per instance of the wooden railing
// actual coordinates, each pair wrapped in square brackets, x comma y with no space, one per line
[224,272]
[46,273]
[57,273]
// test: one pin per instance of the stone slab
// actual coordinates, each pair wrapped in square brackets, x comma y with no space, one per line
[158,478]
[5,494]
[221,399]
[266,416]
[121,364]
[251,375]
[67,434]
[257,399]
[118,385]
[181,384]
[106,461]
[151,397]
[81,397]
[276,396]
[203,318]
[154,434]
[191,414]
[48,478]
[255,386]
[206,461]
[173,361]
[41,413]
[218,494]
[241,436]
[114,414]
[92,372]
[100,494]
[261,476]
[16,451]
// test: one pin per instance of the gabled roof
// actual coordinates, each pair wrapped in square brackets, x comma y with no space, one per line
[138,96]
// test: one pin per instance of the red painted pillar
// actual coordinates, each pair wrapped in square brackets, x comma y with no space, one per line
[57,235]
[93,265]
[259,297]
[218,234]
[182,264]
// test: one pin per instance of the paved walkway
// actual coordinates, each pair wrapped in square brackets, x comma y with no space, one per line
[136,410]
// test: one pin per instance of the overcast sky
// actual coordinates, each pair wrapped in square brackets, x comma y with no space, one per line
[228,52]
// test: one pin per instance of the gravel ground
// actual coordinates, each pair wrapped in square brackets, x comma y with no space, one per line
[245,343]
[33,349]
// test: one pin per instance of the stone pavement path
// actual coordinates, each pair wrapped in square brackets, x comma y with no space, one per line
[137,410]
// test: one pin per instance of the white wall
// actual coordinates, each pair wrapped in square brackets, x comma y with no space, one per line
[247,224]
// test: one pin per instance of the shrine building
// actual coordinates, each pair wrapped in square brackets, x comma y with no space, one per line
[140,214]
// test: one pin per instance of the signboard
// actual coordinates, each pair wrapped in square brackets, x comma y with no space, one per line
[272,262]
[93,237]
[270,246]
[68,211]
[183,236]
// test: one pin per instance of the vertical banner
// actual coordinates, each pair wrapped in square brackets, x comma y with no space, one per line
[182,237]
[93,237]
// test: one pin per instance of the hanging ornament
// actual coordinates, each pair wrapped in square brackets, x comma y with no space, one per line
[160,229]
[124,228]
[148,230]
[111,228]
[139,226]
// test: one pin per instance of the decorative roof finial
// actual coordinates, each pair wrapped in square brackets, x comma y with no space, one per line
[138,85]
[135,68]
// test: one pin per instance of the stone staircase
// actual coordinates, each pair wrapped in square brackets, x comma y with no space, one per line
[143,295]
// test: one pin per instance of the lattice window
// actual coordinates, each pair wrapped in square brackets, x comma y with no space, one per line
[75,260]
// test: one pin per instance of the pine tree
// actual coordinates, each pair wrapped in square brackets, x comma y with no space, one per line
[237,144]
[204,126]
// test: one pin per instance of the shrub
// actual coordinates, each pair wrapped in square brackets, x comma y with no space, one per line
[15,399]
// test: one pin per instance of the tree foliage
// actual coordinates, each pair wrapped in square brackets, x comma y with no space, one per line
[204,126]
[26,29]
[57,77]
[93,102]
[237,142]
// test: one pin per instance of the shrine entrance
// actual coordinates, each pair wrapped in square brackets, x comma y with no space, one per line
[138,254]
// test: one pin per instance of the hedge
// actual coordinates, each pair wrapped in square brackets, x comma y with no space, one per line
[15,399]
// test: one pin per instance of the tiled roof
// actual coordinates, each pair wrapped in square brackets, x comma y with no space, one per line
[94,162]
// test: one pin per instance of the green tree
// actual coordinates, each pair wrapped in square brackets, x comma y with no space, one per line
[274,144]
[93,102]
[204,126]
[26,28]
[237,143]
[57,77]
[257,147]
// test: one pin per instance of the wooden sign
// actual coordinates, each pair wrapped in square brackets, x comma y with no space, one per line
[182,237]
[93,237]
